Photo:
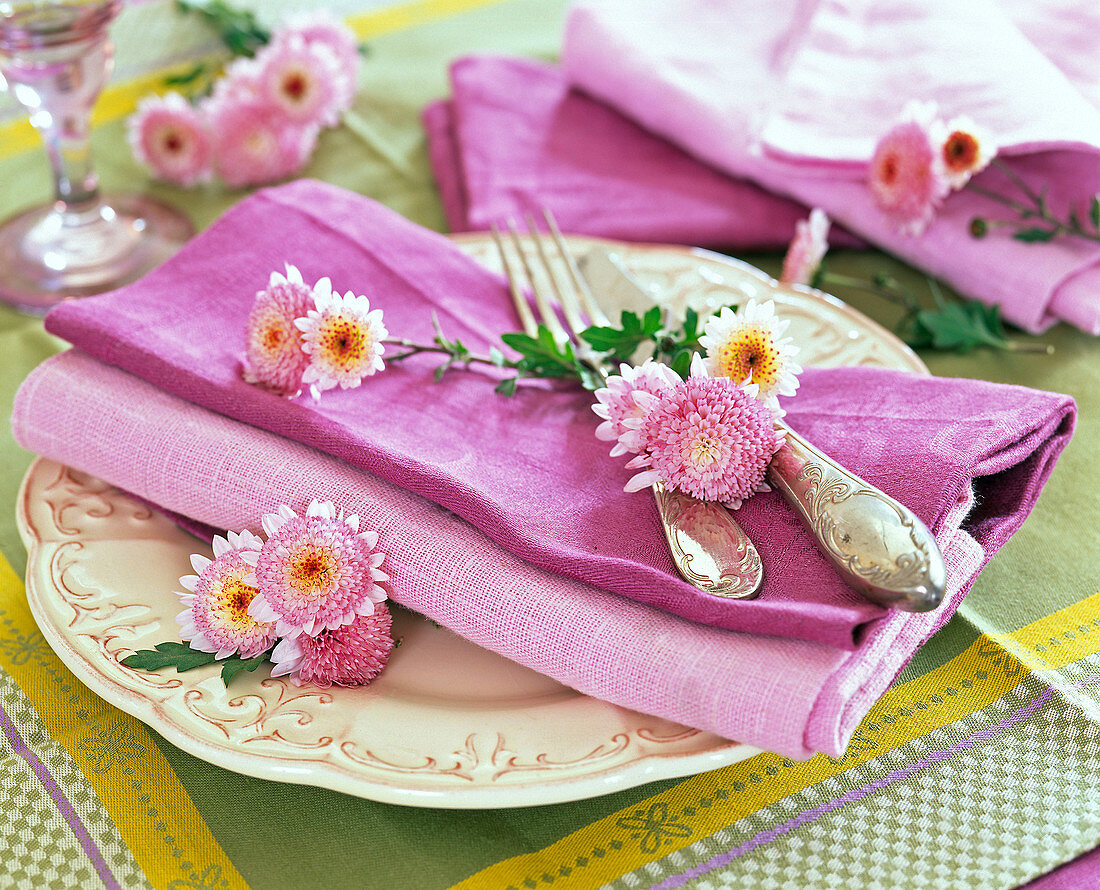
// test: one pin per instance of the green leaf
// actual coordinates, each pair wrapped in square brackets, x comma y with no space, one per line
[497,357]
[1033,236]
[959,327]
[235,664]
[178,655]
[681,361]
[541,356]
[1094,212]
[183,658]
[187,77]
[507,387]
[623,341]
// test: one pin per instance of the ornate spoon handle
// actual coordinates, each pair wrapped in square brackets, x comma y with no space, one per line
[709,548]
[879,547]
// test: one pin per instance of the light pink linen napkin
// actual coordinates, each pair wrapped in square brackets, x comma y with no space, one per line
[513,138]
[794,94]
[794,697]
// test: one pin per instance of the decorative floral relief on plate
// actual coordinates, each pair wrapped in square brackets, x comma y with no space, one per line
[447,724]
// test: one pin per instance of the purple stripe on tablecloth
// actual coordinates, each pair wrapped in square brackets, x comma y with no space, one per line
[60,801]
[765,837]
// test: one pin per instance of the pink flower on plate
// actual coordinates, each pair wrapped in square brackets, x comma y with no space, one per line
[906,172]
[351,655]
[216,618]
[622,415]
[172,139]
[343,337]
[711,438]
[255,143]
[303,82]
[807,249]
[320,29]
[967,150]
[316,572]
[273,344]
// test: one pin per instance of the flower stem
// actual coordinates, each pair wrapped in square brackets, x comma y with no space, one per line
[412,349]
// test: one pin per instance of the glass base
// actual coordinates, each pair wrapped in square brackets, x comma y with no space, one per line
[48,254]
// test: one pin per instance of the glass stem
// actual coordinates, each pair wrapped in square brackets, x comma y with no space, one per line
[68,146]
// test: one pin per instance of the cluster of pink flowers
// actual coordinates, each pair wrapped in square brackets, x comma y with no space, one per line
[921,160]
[312,590]
[299,335]
[262,120]
[713,434]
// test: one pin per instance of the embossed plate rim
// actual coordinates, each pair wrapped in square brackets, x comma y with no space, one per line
[562,786]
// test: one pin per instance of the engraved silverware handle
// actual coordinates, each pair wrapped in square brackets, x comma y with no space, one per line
[709,548]
[879,547]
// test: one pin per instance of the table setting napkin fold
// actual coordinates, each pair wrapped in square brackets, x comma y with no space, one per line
[793,95]
[547,560]
[513,138]
[528,470]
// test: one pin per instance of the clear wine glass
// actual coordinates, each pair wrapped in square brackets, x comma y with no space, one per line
[56,57]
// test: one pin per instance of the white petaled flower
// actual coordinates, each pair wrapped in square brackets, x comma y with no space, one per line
[621,413]
[748,346]
[343,337]
[216,616]
[315,572]
[967,150]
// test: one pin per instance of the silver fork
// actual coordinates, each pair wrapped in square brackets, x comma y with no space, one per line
[709,549]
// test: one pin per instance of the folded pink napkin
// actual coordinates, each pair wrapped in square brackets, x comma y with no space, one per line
[794,697]
[793,95]
[513,138]
[528,471]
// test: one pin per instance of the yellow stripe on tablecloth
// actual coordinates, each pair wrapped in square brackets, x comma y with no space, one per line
[153,813]
[120,100]
[986,671]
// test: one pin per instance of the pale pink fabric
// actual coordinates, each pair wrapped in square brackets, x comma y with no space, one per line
[793,697]
[528,471]
[513,139]
[793,95]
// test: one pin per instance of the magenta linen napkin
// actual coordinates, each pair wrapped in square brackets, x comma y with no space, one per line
[794,95]
[513,138]
[528,470]
[793,697]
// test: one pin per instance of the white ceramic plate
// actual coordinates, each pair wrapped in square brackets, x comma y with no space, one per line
[447,724]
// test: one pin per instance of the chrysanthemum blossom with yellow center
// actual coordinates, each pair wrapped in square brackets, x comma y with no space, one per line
[807,249]
[351,655]
[217,618]
[343,337]
[315,572]
[622,415]
[906,172]
[748,346]
[274,356]
[711,438]
[967,150]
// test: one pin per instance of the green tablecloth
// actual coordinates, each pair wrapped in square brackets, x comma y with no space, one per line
[976,770]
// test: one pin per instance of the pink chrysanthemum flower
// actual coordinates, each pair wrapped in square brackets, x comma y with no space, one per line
[748,346]
[301,81]
[622,415]
[255,143]
[325,31]
[711,438]
[273,344]
[807,250]
[351,655]
[316,572]
[906,172]
[343,337]
[216,618]
[172,139]
[967,150]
